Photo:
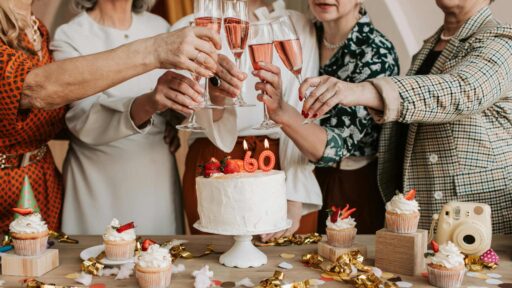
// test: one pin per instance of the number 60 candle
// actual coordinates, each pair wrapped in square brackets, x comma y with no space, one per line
[267,154]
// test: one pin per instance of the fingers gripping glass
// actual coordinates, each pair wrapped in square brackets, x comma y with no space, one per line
[260,50]
[288,46]
[236,27]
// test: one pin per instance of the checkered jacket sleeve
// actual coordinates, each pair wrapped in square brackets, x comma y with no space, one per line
[468,87]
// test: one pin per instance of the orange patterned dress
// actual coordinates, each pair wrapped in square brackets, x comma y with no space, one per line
[22,131]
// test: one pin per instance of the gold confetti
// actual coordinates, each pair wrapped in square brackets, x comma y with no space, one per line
[312,238]
[287,255]
[387,275]
[72,275]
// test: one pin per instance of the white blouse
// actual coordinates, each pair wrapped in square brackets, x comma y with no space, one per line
[113,169]
[301,183]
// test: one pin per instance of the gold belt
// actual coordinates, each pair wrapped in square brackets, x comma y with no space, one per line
[11,161]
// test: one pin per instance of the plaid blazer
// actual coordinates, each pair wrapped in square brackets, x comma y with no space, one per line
[459,134]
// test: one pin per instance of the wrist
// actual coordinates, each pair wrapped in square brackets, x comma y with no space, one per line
[367,95]
[142,109]
[284,115]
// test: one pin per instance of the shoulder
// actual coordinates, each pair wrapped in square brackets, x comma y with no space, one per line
[76,25]
[154,21]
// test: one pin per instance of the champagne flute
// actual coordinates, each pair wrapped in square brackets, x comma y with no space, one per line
[236,27]
[191,124]
[260,49]
[289,49]
[208,14]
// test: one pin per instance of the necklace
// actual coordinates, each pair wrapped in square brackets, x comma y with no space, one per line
[333,46]
[445,38]
[35,34]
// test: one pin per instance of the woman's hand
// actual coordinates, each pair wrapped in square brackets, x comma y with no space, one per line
[191,48]
[231,81]
[294,214]
[271,85]
[173,91]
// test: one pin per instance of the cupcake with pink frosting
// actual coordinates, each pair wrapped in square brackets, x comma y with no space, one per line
[341,228]
[402,213]
[446,266]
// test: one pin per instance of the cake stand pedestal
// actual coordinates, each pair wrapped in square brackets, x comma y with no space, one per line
[243,254]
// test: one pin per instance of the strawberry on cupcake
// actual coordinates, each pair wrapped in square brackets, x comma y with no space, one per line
[402,213]
[446,265]
[341,229]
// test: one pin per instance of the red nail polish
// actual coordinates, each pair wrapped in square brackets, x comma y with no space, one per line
[306,115]
[301,98]
[315,115]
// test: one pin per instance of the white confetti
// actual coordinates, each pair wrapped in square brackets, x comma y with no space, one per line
[84,279]
[316,282]
[377,272]
[2,282]
[125,271]
[493,281]
[174,242]
[178,269]
[494,275]
[246,282]
[109,271]
[403,284]
[203,277]
[473,274]
[285,265]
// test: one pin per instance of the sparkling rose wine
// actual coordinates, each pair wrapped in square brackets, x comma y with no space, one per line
[260,53]
[290,52]
[209,22]
[237,31]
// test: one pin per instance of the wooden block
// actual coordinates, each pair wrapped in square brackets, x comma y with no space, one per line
[30,266]
[332,253]
[401,253]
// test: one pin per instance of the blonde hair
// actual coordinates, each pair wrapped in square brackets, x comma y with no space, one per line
[10,25]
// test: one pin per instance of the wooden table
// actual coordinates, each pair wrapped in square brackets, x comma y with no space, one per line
[70,263]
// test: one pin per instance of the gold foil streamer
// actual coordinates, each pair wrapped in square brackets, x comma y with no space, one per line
[7,240]
[33,283]
[276,281]
[92,265]
[475,264]
[312,238]
[62,237]
[180,251]
[341,270]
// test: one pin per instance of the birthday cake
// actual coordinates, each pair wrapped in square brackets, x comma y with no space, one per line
[241,203]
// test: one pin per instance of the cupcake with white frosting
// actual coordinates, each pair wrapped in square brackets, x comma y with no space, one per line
[446,266]
[341,230]
[119,241]
[29,235]
[402,213]
[153,267]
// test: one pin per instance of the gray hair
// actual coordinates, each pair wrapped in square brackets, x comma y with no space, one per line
[138,6]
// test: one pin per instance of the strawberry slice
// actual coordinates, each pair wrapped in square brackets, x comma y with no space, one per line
[23,211]
[435,246]
[335,213]
[146,243]
[125,227]
[230,166]
[410,195]
[345,209]
[347,213]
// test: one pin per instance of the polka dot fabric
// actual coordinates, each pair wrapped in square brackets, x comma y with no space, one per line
[24,131]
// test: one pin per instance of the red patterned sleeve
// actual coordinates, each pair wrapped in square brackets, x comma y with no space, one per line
[14,67]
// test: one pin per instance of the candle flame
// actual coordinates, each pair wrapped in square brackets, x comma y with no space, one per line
[266,144]
[245,146]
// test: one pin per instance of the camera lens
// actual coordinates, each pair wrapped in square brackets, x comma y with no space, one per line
[469,239]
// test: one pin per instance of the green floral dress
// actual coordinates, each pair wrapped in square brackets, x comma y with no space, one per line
[366,54]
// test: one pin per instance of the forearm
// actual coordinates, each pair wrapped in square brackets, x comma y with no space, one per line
[310,139]
[63,82]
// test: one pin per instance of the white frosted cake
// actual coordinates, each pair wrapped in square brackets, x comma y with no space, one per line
[242,203]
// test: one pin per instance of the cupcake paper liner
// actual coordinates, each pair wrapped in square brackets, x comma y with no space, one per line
[445,278]
[402,223]
[157,279]
[120,251]
[30,247]
[343,238]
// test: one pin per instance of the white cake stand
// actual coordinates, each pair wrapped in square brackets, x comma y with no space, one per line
[243,254]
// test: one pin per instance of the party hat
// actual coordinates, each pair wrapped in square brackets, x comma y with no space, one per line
[27,198]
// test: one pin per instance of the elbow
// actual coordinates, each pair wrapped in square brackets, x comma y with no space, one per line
[40,94]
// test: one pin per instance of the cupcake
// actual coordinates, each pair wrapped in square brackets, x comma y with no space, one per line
[29,235]
[402,213]
[153,268]
[341,229]
[446,266]
[119,241]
